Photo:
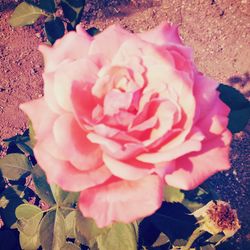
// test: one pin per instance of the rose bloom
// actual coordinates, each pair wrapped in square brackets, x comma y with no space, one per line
[124,114]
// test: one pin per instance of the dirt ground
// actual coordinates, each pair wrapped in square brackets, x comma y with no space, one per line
[217,30]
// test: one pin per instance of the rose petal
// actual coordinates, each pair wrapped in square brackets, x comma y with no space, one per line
[65,175]
[49,94]
[66,75]
[207,97]
[131,170]
[191,170]
[163,34]
[123,201]
[74,45]
[117,150]
[99,44]
[42,121]
[73,143]
[171,154]
[211,113]
[115,100]
[83,102]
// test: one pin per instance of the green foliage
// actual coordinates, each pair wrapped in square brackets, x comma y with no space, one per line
[20,143]
[13,166]
[63,197]
[28,222]
[239,105]
[122,236]
[70,224]
[29,242]
[29,217]
[172,194]
[46,5]
[42,187]
[87,230]
[52,230]
[70,246]
[29,11]
[25,14]
[93,31]
[72,10]
[54,28]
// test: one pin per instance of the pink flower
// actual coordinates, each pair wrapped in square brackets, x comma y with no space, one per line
[123,114]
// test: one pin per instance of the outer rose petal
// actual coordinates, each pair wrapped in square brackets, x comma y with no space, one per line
[120,200]
[115,36]
[162,34]
[74,45]
[49,94]
[65,175]
[207,97]
[41,117]
[58,84]
[64,77]
[191,170]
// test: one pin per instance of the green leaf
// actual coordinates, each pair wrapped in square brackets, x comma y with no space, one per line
[4,202]
[29,217]
[18,138]
[24,14]
[22,142]
[29,242]
[172,194]
[148,233]
[26,148]
[52,231]
[72,10]
[31,133]
[93,31]
[76,3]
[239,105]
[42,187]
[63,197]
[47,5]
[238,119]
[70,225]
[162,240]
[232,97]
[13,166]
[70,246]
[71,199]
[174,220]
[54,29]
[208,247]
[58,194]
[198,197]
[120,236]
[87,229]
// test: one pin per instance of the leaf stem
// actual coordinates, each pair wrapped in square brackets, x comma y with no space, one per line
[196,233]
[68,208]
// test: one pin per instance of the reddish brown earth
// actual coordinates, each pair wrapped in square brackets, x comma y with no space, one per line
[218,31]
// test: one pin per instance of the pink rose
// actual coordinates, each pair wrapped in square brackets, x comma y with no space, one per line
[123,114]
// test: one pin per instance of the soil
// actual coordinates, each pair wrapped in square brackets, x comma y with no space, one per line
[217,30]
